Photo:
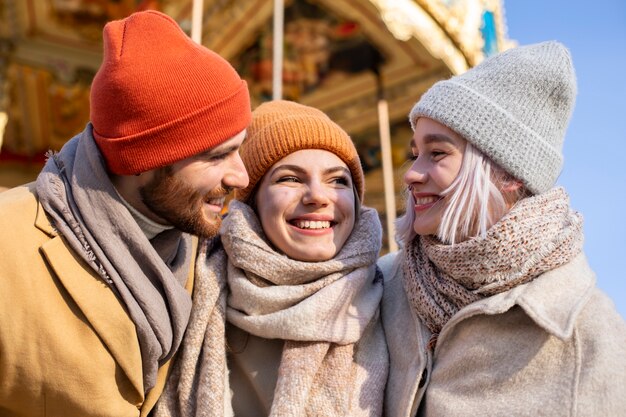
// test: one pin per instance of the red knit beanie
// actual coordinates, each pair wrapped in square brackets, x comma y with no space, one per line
[159,97]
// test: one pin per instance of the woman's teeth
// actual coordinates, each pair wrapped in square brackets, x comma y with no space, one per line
[307,224]
[425,200]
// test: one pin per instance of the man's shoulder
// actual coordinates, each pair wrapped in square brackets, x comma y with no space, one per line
[21,217]
[16,199]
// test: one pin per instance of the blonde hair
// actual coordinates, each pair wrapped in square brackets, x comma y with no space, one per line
[474,201]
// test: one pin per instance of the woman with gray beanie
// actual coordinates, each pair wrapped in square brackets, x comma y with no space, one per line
[490,308]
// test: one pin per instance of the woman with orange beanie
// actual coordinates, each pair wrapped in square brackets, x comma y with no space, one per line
[295,278]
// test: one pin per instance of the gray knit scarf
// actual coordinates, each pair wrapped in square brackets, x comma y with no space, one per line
[538,234]
[147,276]
[343,295]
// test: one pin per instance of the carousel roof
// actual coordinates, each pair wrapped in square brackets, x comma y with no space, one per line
[341,56]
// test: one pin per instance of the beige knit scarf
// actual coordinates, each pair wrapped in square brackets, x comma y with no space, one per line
[196,381]
[321,309]
[538,234]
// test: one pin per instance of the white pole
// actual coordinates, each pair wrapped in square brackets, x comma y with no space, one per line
[277,57]
[4,118]
[196,21]
[390,199]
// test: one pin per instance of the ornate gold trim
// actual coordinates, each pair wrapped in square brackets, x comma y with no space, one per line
[406,19]
[450,30]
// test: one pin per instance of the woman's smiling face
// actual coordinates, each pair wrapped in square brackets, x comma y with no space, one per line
[306,205]
[437,157]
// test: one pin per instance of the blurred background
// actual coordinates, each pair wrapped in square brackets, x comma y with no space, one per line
[363,62]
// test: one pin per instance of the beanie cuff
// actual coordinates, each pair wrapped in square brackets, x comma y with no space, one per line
[282,127]
[518,149]
[170,142]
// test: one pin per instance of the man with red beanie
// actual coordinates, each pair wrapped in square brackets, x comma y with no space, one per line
[97,256]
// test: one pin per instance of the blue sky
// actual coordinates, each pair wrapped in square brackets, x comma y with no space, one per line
[594,173]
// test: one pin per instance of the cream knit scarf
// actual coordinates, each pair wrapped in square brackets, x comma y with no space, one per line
[196,382]
[320,309]
[538,234]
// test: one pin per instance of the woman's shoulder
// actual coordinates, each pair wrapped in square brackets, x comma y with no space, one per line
[390,265]
[600,322]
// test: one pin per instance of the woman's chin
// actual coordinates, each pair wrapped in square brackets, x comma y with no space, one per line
[311,253]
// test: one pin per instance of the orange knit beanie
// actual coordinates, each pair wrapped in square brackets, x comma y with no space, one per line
[159,97]
[280,128]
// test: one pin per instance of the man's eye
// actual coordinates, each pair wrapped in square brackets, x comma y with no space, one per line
[218,157]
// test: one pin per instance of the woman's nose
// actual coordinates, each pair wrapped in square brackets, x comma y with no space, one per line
[416,174]
[316,193]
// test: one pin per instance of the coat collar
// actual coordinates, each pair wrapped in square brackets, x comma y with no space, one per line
[41,219]
[552,300]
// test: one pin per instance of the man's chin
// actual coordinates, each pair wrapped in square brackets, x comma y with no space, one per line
[200,227]
[208,228]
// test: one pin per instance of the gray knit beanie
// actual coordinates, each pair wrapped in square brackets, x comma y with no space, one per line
[514,107]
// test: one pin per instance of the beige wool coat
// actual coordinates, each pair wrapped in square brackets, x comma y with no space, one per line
[553,347]
[67,346]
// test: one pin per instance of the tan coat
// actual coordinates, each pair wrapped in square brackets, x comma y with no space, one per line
[553,347]
[67,346]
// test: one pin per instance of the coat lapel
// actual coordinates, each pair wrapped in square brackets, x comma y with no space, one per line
[97,302]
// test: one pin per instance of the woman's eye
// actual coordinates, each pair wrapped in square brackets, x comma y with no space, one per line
[288,179]
[437,155]
[342,181]
[413,157]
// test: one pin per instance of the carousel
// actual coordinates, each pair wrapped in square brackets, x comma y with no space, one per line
[363,62]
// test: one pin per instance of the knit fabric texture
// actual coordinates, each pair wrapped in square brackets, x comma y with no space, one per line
[514,107]
[196,383]
[539,234]
[282,127]
[322,310]
[159,97]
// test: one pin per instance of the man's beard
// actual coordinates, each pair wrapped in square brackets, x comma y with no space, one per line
[181,205]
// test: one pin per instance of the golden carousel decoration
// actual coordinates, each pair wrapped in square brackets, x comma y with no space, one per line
[363,62]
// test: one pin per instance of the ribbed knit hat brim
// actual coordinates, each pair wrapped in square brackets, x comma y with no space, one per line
[281,127]
[514,107]
[159,97]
